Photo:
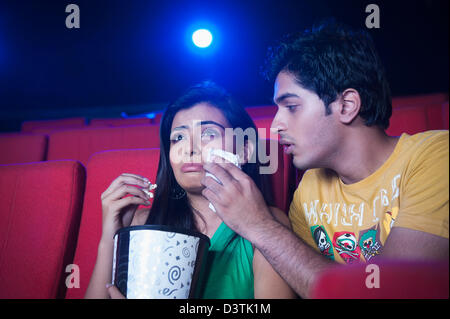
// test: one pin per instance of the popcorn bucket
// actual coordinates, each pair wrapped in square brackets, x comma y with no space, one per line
[158,262]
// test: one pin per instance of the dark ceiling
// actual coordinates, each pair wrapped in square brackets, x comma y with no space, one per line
[134,55]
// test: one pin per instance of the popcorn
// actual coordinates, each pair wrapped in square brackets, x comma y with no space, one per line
[150,188]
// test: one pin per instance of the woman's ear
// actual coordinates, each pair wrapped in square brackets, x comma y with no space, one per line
[349,105]
[246,154]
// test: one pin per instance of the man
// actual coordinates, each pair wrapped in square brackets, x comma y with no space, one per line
[364,195]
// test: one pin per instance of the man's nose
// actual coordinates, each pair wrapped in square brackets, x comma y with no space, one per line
[278,124]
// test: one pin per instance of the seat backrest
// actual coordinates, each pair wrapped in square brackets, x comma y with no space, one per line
[113,122]
[262,111]
[22,148]
[422,99]
[45,126]
[102,169]
[445,115]
[284,180]
[80,144]
[418,113]
[280,170]
[40,210]
[384,280]
[408,119]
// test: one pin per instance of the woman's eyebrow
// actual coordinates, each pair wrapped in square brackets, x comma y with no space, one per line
[181,127]
[210,122]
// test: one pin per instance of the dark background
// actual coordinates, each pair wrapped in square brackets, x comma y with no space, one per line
[135,56]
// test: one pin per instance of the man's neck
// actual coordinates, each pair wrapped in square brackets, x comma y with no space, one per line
[366,151]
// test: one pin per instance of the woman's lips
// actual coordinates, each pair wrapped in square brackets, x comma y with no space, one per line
[192,167]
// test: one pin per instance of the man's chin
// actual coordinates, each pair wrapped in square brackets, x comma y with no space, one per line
[300,163]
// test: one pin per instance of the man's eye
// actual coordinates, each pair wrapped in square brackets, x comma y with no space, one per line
[291,107]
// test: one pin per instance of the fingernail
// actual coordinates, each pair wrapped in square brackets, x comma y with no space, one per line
[108,285]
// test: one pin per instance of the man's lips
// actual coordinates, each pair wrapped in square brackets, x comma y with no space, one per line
[192,167]
[287,146]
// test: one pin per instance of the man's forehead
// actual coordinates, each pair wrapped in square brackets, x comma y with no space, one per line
[285,86]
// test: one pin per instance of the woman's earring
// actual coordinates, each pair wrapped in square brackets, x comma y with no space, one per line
[177,193]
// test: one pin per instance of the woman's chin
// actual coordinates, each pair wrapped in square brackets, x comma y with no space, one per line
[194,189]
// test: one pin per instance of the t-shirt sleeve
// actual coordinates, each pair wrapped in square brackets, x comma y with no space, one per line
[297,218]
[424,201]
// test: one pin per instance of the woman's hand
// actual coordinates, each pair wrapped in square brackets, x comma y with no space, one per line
[118,207]
[114,292]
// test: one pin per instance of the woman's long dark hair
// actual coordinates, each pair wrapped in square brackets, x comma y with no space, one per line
[166,209]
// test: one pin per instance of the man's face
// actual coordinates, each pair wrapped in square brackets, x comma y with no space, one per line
[305,130]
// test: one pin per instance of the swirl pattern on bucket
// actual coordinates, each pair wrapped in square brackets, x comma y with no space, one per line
[160,264]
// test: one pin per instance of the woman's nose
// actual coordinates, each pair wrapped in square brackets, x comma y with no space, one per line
[193,147]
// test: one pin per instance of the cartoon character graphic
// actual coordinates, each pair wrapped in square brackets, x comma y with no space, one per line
[369,242]
[323,242]
[347,246]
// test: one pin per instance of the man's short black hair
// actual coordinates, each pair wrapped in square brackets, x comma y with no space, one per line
[330,58]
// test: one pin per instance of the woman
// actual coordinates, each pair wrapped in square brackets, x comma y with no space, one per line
[192,125]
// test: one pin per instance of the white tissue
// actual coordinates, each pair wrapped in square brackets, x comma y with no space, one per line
[230,157]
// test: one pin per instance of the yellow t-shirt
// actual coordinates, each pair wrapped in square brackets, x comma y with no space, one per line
[349,223]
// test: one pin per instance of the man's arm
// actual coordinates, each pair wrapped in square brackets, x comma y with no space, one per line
[410,244]
[294,260]
[241,206]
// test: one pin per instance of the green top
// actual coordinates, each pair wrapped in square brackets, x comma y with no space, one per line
[228,271]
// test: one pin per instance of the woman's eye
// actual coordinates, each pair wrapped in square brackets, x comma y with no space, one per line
[176,138]
[209,134]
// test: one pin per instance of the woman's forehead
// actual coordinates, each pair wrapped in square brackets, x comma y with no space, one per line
[199,113]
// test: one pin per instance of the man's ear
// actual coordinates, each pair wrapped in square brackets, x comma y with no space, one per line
[247,152]
[349,106]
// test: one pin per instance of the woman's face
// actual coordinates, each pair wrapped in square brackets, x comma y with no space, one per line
[194,131]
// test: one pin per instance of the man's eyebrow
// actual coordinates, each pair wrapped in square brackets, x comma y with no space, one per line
[280,99]
[211,122]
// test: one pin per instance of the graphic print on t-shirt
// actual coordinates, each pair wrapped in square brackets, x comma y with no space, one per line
[369,242]
[323,242]
[346,245]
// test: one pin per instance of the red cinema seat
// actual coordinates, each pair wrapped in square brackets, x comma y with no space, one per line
[102,169]
[113,122]
[80,144]
[418,113]
[445,115]
[157,118]
[263,125]
[423,99]
[391,280]
[281,173]
[408,119]
[262,111]
[437,116]
[284,181]
[40,210]
[46,126]
[22,148]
